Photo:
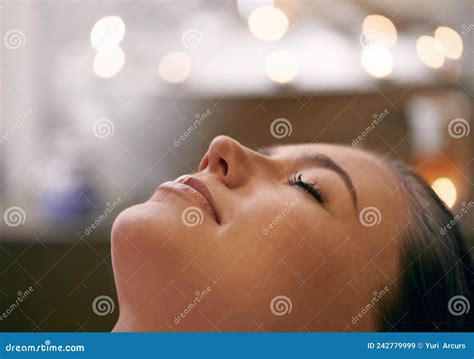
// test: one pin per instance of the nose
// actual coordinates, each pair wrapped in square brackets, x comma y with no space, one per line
[227,159]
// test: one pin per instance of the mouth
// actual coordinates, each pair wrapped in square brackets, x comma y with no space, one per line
[195,190]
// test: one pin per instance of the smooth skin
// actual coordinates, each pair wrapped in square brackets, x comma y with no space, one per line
[271,238]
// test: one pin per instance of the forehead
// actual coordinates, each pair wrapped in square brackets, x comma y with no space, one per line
[296,151]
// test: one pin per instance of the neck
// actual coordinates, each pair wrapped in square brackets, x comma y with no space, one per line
[146,323]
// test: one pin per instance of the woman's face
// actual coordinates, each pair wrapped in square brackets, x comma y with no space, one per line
[290,238]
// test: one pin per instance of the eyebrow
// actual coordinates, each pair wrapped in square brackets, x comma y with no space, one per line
[326,162]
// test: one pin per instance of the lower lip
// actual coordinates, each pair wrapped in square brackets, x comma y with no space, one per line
[191,194]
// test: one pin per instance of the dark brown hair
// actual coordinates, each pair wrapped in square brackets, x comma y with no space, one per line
[436,279]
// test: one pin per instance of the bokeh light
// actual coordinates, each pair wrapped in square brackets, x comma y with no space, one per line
[246,7]
[268,23]
[380,30]
[450,41]
[281,66]
[430,51]
[446,190]
[108,32]
[109,62]
[175,67]
[377,61]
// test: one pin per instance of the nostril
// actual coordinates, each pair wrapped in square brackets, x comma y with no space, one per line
[224,166]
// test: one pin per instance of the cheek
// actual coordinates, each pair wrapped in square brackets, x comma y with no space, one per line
[313,244]
[297,219]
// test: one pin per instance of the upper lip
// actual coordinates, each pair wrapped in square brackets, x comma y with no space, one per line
[200,186]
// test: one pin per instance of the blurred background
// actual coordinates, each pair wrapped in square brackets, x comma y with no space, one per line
[101,101]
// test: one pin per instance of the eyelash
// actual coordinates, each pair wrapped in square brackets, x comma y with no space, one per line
[317,193]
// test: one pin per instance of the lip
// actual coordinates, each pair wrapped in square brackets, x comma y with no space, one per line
[197,191]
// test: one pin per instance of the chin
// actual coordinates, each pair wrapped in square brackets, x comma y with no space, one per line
[146,220]
[141,244]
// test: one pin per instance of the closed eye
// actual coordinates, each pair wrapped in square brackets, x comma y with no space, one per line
[296,179]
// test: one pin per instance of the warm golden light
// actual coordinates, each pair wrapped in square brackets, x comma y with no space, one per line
[281,66]
[108,32]
[268,23]
[450,41]
[377,61]
[446,190]
[175,67]
[109,62]
[379,31]
[430,51]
